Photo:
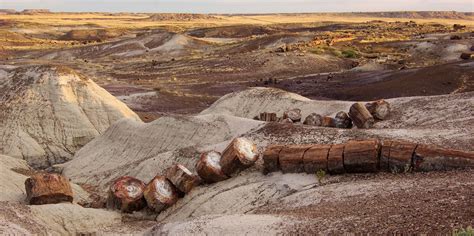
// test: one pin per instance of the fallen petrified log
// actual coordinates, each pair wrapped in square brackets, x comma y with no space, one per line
[385,154]
[379,109]
[328,122]
[342,120]
[361,156]
[270,157]
[182,178]
[313,119]
[336,159]
[269,117]
[126,194]
[467,55]
[316,158]
[45,188]
[291,158]
[400,156]
[160,194]
[209,168]
[293,114]
[429,158]
[361,116]
[239,155]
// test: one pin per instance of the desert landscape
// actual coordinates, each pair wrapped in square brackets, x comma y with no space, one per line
[236,124]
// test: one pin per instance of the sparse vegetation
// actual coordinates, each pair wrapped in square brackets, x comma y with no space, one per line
[320,174]
[469,231]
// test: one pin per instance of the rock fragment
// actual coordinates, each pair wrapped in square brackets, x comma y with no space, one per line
[313,119]
[45,188]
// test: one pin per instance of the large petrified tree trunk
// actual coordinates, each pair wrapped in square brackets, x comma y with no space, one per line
[271,158]
[182,178]
[239,155]
[44,188]
[343,121]
[361,156]
[291,158]
[293,114]
[336,159]
[385,154]
[361,116]
[400,156]
[430,158]
[313,119]
[209,168]
[379,109]
[160,194]
[316,158]
[126,194]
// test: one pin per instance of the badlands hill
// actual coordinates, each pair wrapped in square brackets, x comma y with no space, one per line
[48,112]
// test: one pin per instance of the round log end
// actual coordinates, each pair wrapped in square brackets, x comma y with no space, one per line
[126,194]
[209,168]
[246,151]
[160,194]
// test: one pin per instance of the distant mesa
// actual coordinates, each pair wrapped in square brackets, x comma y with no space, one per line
[180,17]
[35,11]
[7,11]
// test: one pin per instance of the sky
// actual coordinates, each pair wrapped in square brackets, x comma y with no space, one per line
[242,6]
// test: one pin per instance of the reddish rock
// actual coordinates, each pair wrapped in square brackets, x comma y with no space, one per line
[209,168]
[293,114]
[182,178]
[291,158]
[45,188]
[361,156]
[328,122]
[126,194]
[401,153]
[430,158]
[313,119]
[316,158]
[336,159]
[270,158]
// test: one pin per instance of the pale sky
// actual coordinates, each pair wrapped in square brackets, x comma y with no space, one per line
[242,6]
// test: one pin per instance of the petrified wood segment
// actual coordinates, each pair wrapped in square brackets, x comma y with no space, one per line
[209,168]
[361,116]
[336,159]
[160,193]
[293,114]
[313,119]
[270,158]
[385,154]
[401,153]
[316,158]
[379,109]
[44,188]
[286,121]
[291,158]
[328,122]
[429,158]
[126,194]
[239,155]
[269,117]
[343,121]
[182,178]
[361,156]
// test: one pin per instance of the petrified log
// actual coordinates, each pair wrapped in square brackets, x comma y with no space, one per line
[269,117]
[291,158]
[336,159]
[361,116]
[361,156]
[379,109]
[239,155]
[313,119]
[44,188]
[430,158]
[160,193]
[270,158]
[400,156]
[316,158]
[182,178]
[209,168]
[343,121]
[293,114]
[385,154]
[467,55]
[328,122]
[126,194]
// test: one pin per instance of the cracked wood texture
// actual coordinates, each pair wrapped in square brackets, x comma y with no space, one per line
[361,156]
[160,194]
[361,116]
[182,178]
[291,158]
[316,158]
[209,169]
[126,194]
[45,188]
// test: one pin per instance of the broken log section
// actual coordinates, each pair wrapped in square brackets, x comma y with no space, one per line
[182,178]
[270,158]
[209,168]
[239,155]
[336,159]
[291,158]
[379,109]
[160,194]
[45,188]
[126,194]
[328,122]
[429,158]
[316,158]
[268,117]
[313,119]
[361,116]
[293,114]
[361,156]
[343,121]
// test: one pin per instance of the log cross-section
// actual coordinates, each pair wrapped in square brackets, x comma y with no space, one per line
[160,194]
[291,158]
[239,155]
[209,168]
[361,116]
[126,194]
[361,156]
[182,178]
[45,188]
[316,158]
